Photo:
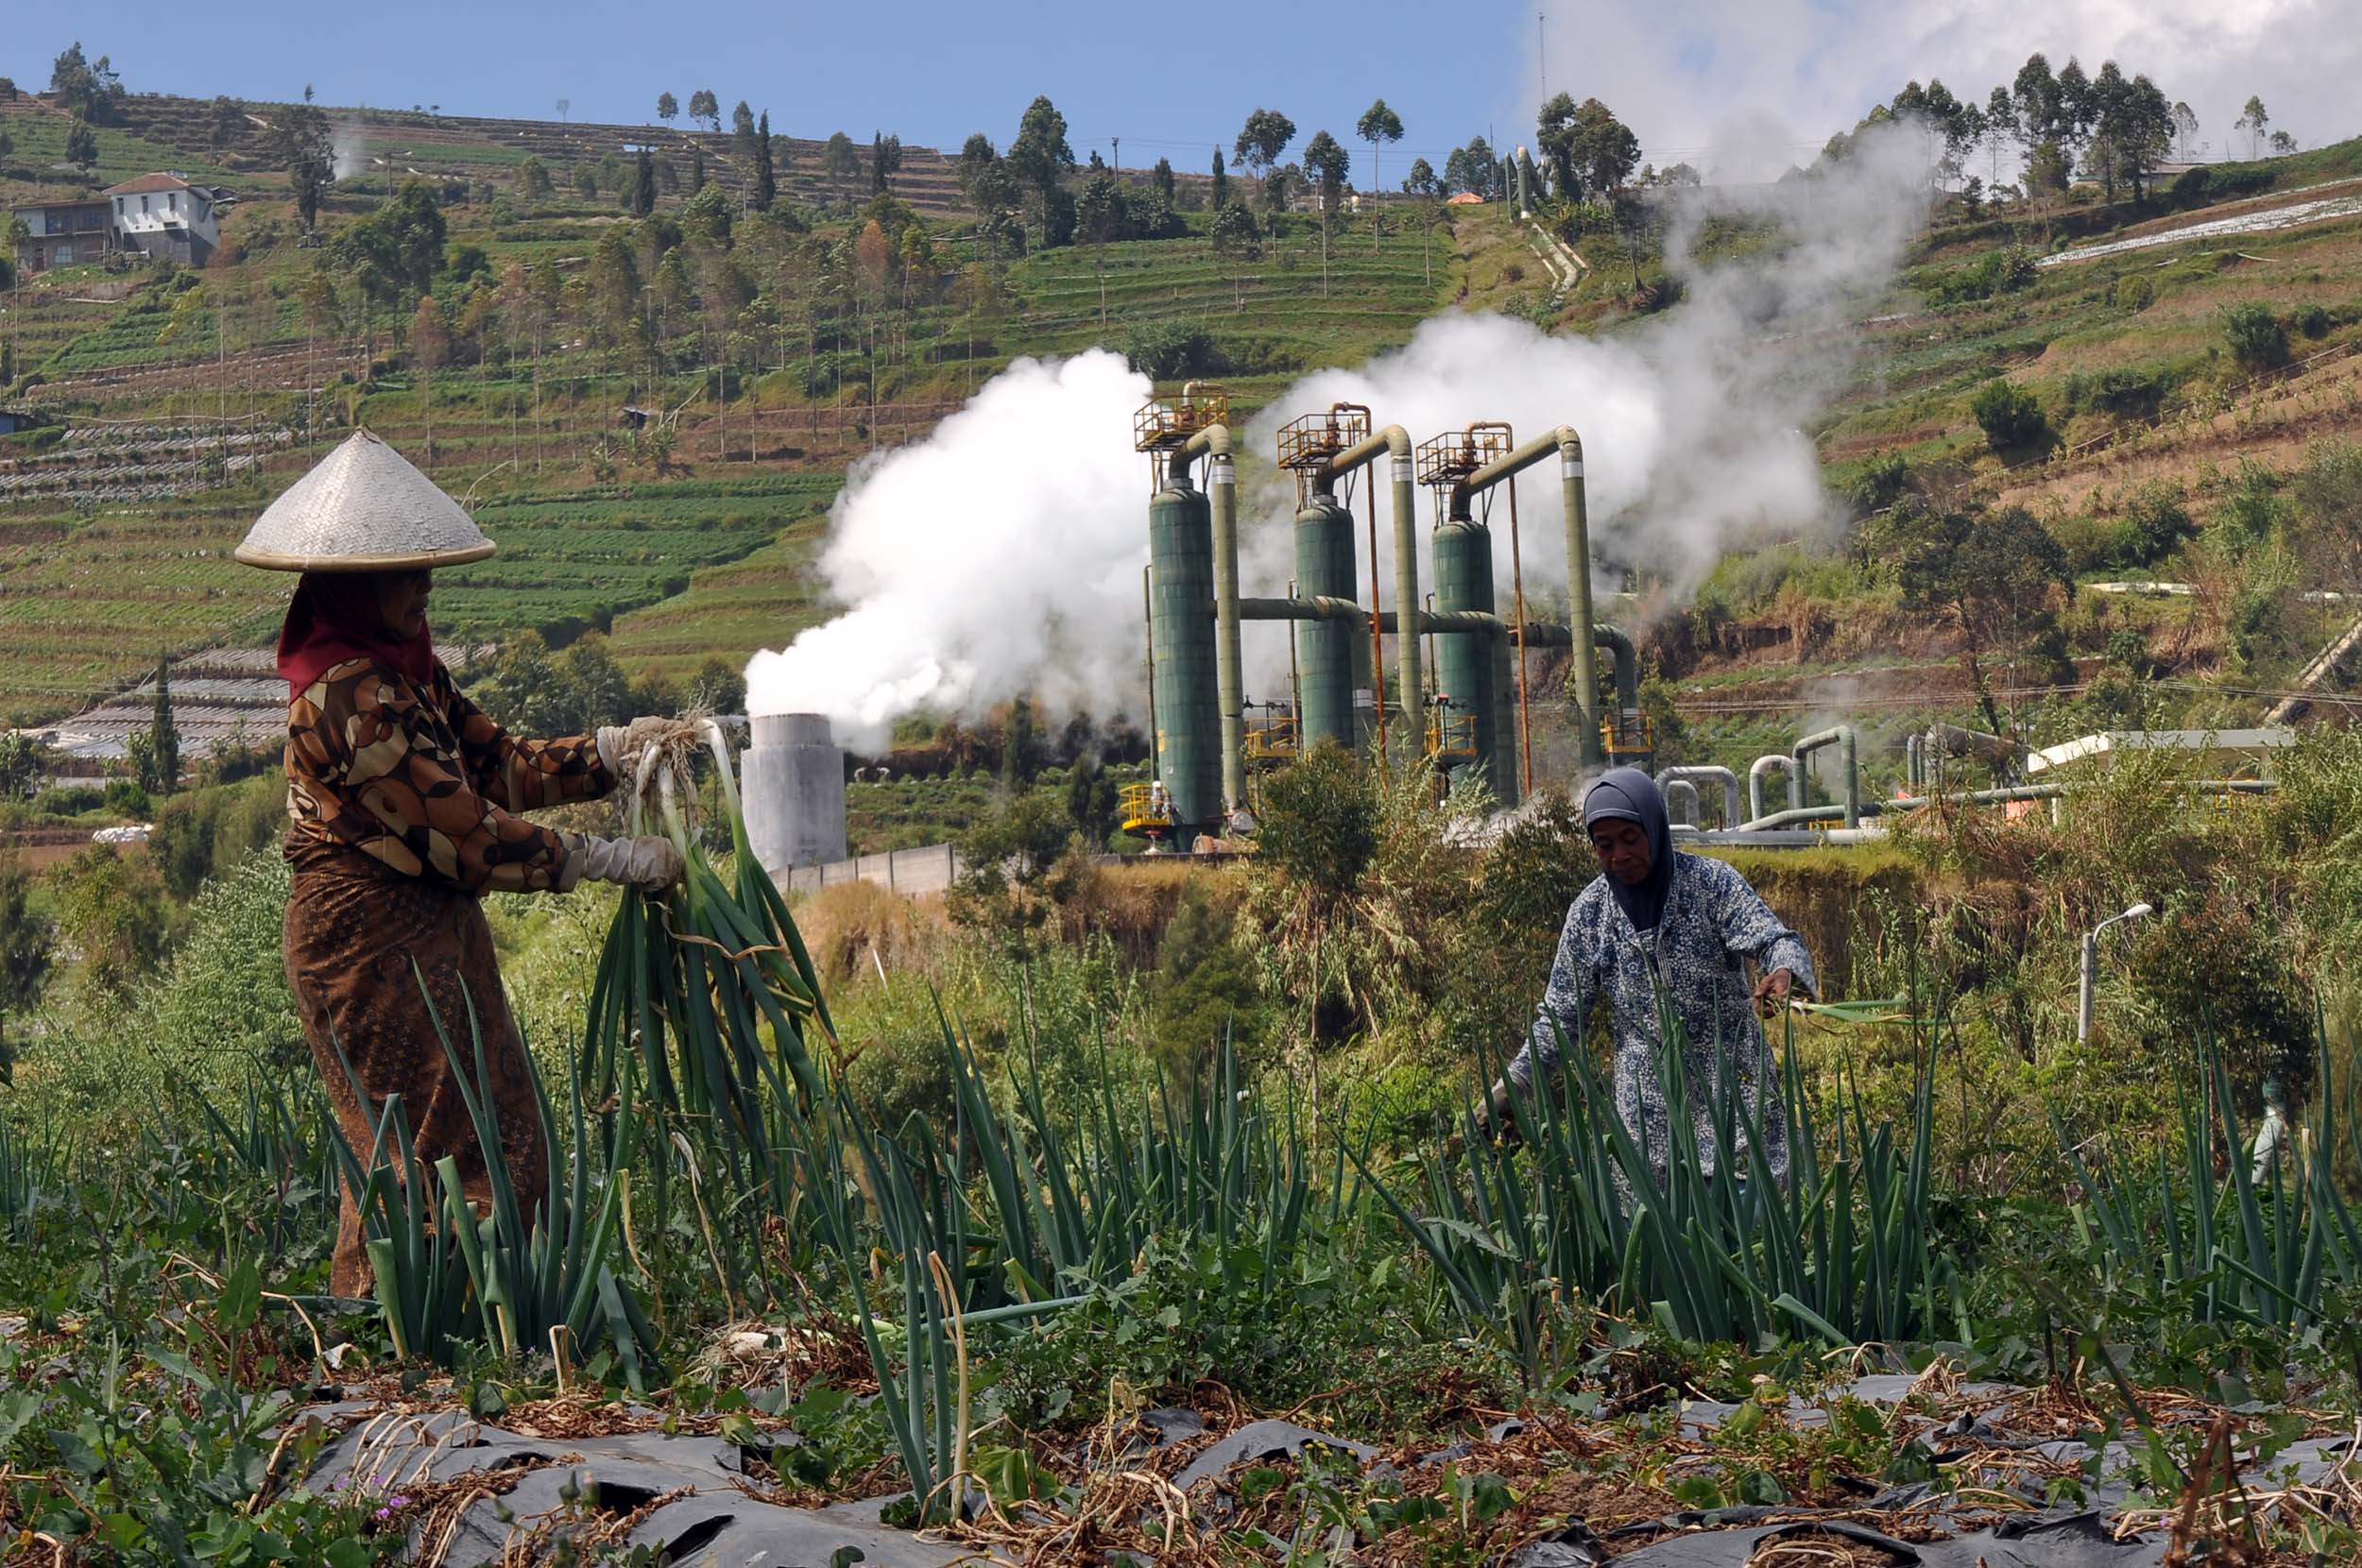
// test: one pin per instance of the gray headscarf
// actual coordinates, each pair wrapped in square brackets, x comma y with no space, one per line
[1627,794]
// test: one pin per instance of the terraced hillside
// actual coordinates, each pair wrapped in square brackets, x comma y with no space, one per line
[631,499]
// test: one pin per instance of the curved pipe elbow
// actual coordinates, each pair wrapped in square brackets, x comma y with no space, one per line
[1214,441]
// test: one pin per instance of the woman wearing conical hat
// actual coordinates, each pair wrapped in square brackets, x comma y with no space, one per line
[406,805]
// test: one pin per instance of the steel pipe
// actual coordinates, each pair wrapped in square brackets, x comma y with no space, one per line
[1763,765]
[1221,489]
[1691,777]
[1393,442]
[1841,737]
[1584,675]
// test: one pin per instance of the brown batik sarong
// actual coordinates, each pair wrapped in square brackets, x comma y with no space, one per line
[353,931]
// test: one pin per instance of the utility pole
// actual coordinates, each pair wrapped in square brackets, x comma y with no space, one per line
[1117,141]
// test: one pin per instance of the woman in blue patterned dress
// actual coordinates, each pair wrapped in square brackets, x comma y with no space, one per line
[1656,921]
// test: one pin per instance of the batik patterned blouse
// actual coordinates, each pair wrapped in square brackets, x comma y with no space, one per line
[420,780]
[1712,921]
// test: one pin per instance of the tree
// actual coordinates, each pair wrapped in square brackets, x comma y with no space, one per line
[305,148]
[666,106]
[2283,143]
[89,89]
[1556,133]
[766,173]
[1235,241]
[430,341]
[29,944]
[1379,124]
[163,736]
[640,194]
[1040,158]
[1472,168]
[743,131]
[840,162]
[112,907]
[227,121]
[81,146]
[1263,139]
[1162,181]
[1327,163]
[2252,119]
[2133,131]
[1606,151]
[1421,180]
[2001,124]
[533,180]
[886,161]
[1218,197]
[1995,578]
[2185,130]
[706,108]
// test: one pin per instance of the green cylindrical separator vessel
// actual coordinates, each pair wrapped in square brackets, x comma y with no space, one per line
[1464,661]
[1181,636]
[1325,648]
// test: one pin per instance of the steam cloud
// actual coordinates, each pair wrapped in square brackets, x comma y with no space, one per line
[1003,555]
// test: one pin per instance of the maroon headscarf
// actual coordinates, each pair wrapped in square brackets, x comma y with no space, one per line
[332,619]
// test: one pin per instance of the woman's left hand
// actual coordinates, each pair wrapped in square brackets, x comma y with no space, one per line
[1772,992]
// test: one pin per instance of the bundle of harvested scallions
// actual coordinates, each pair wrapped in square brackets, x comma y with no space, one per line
[705,994]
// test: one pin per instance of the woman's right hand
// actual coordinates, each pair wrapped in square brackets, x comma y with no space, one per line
[650,863]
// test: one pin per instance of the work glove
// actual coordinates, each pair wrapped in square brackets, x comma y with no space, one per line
[621,747]
[649,863]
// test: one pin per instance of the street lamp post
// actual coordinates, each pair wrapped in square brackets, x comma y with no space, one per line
[2091,967]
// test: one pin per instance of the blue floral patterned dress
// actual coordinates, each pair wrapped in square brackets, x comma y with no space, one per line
[1712,922]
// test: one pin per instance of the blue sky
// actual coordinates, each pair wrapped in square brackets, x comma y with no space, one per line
[1752,85]
[927,71]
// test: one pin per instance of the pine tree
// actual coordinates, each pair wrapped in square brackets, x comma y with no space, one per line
[766,175]
[1220,197]
[641,192]
[166,735]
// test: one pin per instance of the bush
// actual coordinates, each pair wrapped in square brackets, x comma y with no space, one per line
[225,1003]
[2311,320]
[2154,523]
[2123,394]
[2133,293]
[1172,350]
[68,800]
[1884,480]
[1206,986]
[2010,415]
[2257,339]
[127,799]
[2210,183]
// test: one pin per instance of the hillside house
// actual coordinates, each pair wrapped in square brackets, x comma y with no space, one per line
[157,214]
[162,215]
[61,233]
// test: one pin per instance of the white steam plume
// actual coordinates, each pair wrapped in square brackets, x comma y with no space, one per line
[1000,556]
[347,152]
[1690,421]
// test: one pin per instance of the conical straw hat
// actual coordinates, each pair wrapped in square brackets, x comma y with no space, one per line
[363,509]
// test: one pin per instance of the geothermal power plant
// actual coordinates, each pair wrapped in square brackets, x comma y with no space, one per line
[1440,674]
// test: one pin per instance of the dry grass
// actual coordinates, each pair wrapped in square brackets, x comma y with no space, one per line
[857,929]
